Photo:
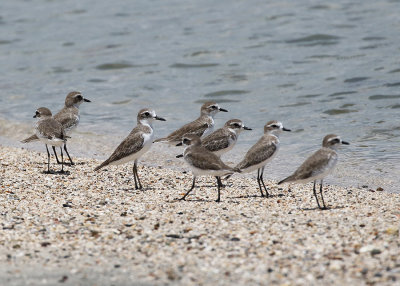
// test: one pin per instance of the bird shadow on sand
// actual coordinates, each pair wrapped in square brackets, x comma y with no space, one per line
[177,200]
[138,191]
[258,196]
[74,164]
[318,209]
[65,173]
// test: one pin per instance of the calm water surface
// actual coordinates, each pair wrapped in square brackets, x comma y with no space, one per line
[319,67]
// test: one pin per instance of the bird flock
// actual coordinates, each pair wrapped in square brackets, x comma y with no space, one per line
[203,146]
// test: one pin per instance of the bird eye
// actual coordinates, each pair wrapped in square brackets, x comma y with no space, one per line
[185,140]
[336,140]
[274,126]
[146,113]
[237,125]
[79,97]
[214,107]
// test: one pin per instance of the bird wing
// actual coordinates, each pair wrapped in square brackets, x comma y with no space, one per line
[67,119]
[206,161]
[316,164]
[51,129]
[130,145]
[30,139]
[217,140]
[195,127]
[258,153]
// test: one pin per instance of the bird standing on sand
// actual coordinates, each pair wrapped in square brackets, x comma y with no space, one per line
[68,116]
[223,139]
[202,126]
[135,145]
[263,152]
[50,132]
[203,162]
[318,165]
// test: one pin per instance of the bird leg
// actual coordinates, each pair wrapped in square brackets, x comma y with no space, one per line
[62,161]
[315,194]
[48,159]
[219,184]
[322,197]
[137,175]
[134,177]
[66,151]
[262,181]
[259,183]
[55,154]
[138,185]
[187,193]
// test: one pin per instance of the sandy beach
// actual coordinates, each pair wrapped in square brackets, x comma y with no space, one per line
[88,228]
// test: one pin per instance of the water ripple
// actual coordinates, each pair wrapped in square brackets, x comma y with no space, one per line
[342,93]
[121,65]
[356,79]
[295,104]
[114,66]
[382,96]
[5,42]
[392,84]
[219,100]
[121,102]
[373,38]
[339,111]
[315,39]
[226,92]
[310,95]
[188,66]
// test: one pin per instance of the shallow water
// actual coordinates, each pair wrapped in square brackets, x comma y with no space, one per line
[318,68]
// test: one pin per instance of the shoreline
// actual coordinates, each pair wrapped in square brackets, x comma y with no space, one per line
[89,227]
[100,146]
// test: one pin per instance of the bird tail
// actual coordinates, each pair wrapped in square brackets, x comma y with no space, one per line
[160,140]
[237,170]
[105,163]
[30,139]
[288,179]
[233,170]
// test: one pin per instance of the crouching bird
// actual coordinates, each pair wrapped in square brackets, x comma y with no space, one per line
[203,162]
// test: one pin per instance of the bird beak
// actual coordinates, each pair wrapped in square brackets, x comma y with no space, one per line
[179,156]
[345,143]
[285,129]
[246,128]
[159,118]
[179,144]
[34,116]
[86,100]
[223,110]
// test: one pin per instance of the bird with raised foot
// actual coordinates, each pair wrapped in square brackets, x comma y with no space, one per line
[318,166]
[135,145]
